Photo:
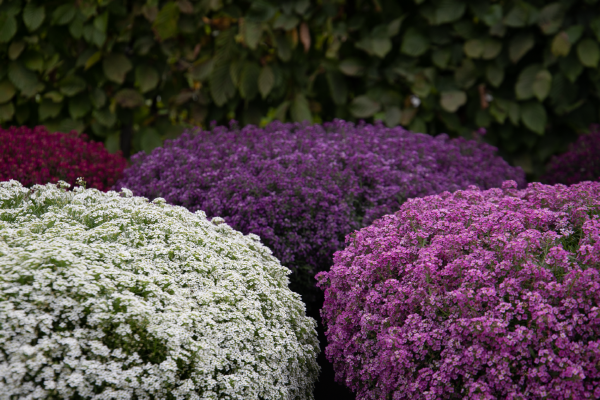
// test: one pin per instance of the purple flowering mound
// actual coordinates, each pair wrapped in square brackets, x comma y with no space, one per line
[477,294]
[580,163]
[303,188]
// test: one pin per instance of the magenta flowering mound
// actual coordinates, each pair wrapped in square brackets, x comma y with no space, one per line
[36,156]
[303,188]
[477,294]
[580,163]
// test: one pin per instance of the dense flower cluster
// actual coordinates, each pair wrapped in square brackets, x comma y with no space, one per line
[303,188]
[580,163]
[36,156]
[477,294]
[109,296]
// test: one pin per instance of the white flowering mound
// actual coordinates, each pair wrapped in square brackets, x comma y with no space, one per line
[108,296]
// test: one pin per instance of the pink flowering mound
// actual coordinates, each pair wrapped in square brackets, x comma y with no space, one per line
[36,156]
[476,294]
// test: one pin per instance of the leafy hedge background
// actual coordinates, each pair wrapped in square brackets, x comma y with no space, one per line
[133,72]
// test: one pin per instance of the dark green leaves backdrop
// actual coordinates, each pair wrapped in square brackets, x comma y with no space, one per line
[132,73]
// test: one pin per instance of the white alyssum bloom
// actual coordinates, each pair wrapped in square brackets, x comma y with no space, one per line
[109,296]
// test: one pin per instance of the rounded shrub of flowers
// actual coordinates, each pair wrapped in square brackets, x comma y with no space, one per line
[580,163]
[478,294]
[301,187]
[109,296]
[36,156]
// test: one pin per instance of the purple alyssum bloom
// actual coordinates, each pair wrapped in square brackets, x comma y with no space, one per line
[301,187]
[580,163]
[476,294]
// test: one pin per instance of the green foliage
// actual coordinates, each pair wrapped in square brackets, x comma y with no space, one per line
[525,70]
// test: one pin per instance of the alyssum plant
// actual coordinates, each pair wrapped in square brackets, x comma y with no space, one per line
[106,295]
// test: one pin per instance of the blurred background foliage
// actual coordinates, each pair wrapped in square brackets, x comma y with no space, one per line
[132,73]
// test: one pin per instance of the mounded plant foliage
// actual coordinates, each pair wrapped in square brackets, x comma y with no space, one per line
[302,188]
[477,294]
[580,163]
[105,295]
[36,156]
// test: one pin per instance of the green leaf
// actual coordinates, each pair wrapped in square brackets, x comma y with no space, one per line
[55,96]
[146,78]
[8,27]
[337,87]
[202,71]
[33,61]
[392,116]
[441,57]
[574,33]
[129,98]
[571,67]
[517,17]
[221,85]
[393,27]
[93,35]
[79,106]
[474,48]
[97,97]
[524,85]
[352,67]
[116,66]
[94,58]
[414,43]
[588,52]
[453,100]
[499,110]
[266,81]
[300,110]
[491,49]
[105,117]
[33,16]
[63,14]
[15,49]
[542,84]
[48,109]
[101,22]
[301,6]
[449,11]
[493,16]
[25,80]
[561,46]
[71,85]
[494,74]
[249,80]
[68,125]
[466,75]
[421,86]
[252,32]
[286,22]
[520,45]
[260,11]
[165,23]
[364,107]
[284,48]
[551,18]
[534,116]
[7,111]
[76,26]
[514,112]
[7,91]
[149,139]
[381,46]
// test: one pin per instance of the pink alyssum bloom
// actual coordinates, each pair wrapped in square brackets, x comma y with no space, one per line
[476,294]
